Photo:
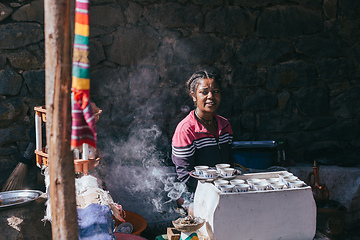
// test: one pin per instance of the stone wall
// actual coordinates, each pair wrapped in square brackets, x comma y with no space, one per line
[290,72]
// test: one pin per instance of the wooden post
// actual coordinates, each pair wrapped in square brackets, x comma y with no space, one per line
[58,114]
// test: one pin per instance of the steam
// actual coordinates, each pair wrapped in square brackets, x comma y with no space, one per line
[137,176]
[134,165]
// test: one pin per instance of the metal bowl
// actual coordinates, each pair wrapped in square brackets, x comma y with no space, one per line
[18,197]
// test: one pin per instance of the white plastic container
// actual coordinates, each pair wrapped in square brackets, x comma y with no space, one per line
[258,215]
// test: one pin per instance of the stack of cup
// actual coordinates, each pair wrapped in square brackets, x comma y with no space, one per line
[274,181]
[277,185]
[297,184]
[209,173]
[261,186]
[252,182]
[226,188]
[289,179]
[221,166]
[199,170]
[220,182]
[284,175]
[227,172]
[239,185]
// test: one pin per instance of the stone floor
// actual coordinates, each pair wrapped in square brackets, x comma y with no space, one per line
[24,222]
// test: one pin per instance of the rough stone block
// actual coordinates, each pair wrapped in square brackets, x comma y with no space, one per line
[346,104]
[10,83]
[312,101]
[232,21]
[131,45]
[199,49]
[330,8]
[35,81]
[318,46]
[32,12]
[15,35]
[25,60]
[262,51]
[291,74]
[261,100]
[174,15]
[5,11]
[106,16]
[289,21]
[349,8]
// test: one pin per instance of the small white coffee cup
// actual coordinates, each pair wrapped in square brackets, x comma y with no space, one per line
[284,175]
[242,187]
[221,166]
[289,179]
[296,184]
[237,181]
[273,180]
[261,186]
[252,181]
[209,173]
[227,172]
[220,182]
[226,188]
[199,170]
[278,185]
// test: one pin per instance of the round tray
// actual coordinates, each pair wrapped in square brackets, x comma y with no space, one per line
[192,174]
[18,197]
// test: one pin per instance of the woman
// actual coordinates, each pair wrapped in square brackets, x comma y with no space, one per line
[202,137]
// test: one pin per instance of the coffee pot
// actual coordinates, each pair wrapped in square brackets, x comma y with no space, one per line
[320,191]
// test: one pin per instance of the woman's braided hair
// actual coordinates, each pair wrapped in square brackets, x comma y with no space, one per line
[204,73]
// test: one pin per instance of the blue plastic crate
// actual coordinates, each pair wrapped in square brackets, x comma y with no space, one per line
[255,154]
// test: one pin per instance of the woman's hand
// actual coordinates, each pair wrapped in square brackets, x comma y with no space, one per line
[189,208]
[180,202]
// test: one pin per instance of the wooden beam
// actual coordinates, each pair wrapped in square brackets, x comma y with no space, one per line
[58,114]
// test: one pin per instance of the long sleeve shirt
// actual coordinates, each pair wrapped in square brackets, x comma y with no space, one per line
[193,145]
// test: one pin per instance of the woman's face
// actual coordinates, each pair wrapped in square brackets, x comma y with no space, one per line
[207,96]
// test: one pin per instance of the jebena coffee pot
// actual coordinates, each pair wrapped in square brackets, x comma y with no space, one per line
[320,191]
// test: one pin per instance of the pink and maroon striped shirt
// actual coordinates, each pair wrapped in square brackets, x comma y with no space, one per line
[193,145]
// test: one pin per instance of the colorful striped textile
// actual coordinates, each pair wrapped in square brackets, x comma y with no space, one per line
[83,121]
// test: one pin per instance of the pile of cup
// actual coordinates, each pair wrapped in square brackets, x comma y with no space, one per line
[235,185]
[205,172]
[290,180]
[224,170]
[283,181]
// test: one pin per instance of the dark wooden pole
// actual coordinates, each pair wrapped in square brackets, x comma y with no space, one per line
[58,114]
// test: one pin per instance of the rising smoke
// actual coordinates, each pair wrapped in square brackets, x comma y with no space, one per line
[137,176]
[135,165]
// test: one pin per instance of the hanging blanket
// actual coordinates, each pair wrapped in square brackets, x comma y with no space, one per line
[83,121]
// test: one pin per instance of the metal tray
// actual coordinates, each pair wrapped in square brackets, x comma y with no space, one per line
[193,174]
[18,197]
